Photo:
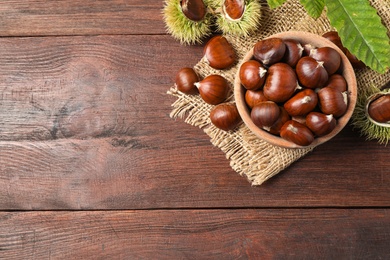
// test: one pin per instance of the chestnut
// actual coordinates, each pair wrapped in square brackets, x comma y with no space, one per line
[301,103]
[320,124]
[252,74]
[379,109]
[277,126]
[311,73]
[233,9]
[185,81]
[253,97]
[219,53]
[269,51]
[330,57]
[280,83]
[214,89]
[225,116]
[293,52]
[334,37]
[265,114]
[338,82]
[297,133]
[194,10]
[332,101]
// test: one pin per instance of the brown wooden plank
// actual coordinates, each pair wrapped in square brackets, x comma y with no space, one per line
[83,87]
[80,17]
[183,170]
[193,234]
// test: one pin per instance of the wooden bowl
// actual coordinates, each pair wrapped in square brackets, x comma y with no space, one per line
[347,72]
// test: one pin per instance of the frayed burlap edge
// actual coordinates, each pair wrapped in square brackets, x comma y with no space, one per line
[250,156]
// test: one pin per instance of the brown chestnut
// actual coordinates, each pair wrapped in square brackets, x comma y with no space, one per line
[253,97]
[332,101]
[280,83]
[185,81]
[233,9]
[301,103]
[269,51]
[214,89]
[379,109]
[334,37]
[277,126]
[219,53]
[194,10]
[225,116]
[311,73]
[297,133]
[293,52]
[252,74]
[320,124]
[265,114]
[338,82]
[330,57]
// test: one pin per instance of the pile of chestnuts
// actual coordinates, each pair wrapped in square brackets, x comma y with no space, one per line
[294,91]
[214,89]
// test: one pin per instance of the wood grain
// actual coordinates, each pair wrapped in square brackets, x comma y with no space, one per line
[85,87]
[183,171]
[197,234]
[80,17]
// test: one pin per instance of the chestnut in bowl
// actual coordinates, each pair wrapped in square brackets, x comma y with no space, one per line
[345,70]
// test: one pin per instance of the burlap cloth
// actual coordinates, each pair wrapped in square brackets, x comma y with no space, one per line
[249,156]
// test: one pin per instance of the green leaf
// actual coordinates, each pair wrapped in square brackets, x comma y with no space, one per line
[361,31]
[275,3]
[313,7]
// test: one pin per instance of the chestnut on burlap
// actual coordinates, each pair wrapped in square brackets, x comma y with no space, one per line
[250,156]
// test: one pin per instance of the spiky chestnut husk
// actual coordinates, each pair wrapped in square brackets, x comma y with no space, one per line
[247,24]
[183,29]
[360,120]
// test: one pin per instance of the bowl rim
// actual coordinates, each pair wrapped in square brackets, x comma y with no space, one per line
[347,71]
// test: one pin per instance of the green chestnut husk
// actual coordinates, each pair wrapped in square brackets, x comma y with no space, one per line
[361,119]
[184,29]
[244,25]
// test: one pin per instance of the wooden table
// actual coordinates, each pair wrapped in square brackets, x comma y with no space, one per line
[93,167]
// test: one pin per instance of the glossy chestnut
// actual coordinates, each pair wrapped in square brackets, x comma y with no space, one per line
[225,116]
[277,126]
[252,74]
[194,10]
[293,52]
[265,114]
[297,133]
[338,82]
[332,101]
[233,9]
[219,53]
[311,73]
[330,57]
[320,124]
[301,103]
[280,83]
[214,89]
[269,51]
[185,81]
[253,97]
[379,109]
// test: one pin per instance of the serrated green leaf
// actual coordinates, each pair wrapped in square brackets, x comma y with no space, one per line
[275,3]
[313,7]
[361,31]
